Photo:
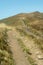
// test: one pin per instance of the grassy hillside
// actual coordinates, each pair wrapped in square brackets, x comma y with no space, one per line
[35,20]
[26,32]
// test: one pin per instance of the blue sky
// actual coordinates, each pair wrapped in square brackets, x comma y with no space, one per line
[13,7]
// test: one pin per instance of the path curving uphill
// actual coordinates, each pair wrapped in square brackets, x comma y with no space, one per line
[18,54]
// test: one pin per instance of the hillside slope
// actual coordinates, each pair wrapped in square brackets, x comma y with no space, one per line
[25,35]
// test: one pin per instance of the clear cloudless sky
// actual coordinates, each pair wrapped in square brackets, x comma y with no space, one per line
[13,7]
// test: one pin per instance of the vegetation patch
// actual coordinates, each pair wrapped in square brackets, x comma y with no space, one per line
[32,62]
[24,33]
[6,57]
[39,42]
[27,51]
[23,46]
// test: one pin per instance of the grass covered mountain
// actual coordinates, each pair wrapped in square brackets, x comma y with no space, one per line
[34,19]
[25,35]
